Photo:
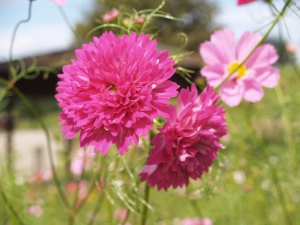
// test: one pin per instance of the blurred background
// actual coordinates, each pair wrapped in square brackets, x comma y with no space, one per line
[239,188]
[48,32]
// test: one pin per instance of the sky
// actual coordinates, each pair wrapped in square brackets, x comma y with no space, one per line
[48,32]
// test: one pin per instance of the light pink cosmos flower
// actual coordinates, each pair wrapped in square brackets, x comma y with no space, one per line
[59,2]
[112,15]
[82,160]
[222,57]
[111,94]
[242,2]
[188,142]
[196,221]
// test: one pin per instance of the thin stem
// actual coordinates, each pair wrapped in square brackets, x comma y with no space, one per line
[16,28]
[195,207]
[49,148]
[11,208]
[145,209]
[258,44]
[69,25]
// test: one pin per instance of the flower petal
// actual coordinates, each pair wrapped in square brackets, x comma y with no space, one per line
[220,48]
[253,92]
[246,44]
[224,40]
[214,74]
[232,92]
[264,55]
[267,76]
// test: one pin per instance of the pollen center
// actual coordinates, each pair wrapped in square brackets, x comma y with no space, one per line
[114,88]
[241,71]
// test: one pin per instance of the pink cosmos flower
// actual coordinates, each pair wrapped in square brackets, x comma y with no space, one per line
[111,94]
[196,221]
[242,2]
[82,160]
[222,57]
[59,2]
[112,15]
[188,142]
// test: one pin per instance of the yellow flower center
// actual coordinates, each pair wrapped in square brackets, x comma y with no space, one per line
[240,71]
[114,88]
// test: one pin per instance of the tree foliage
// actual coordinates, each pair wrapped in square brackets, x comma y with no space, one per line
[196,19]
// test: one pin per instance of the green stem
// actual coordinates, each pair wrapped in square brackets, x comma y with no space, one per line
[49,148]
[16,28]
[258,44]
[11,208]
[145,209]
[195,207]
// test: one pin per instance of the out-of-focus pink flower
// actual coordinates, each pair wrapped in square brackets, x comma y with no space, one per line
[120,214]
[114,90]
[196,221]
[138,19]
[112,15]
[291,48]
[223,56]
[59,2]
[82,160]
[35,210]
[72,186]
[188,142]
[242,2]
[40,176]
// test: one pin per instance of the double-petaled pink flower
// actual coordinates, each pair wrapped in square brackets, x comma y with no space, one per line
[111,94]
[223,56]
[188,143]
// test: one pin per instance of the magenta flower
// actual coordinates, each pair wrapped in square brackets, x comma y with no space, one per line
[111,94]
[112,15]
[242,2]
[59,2]
[222,57]
[188,142]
